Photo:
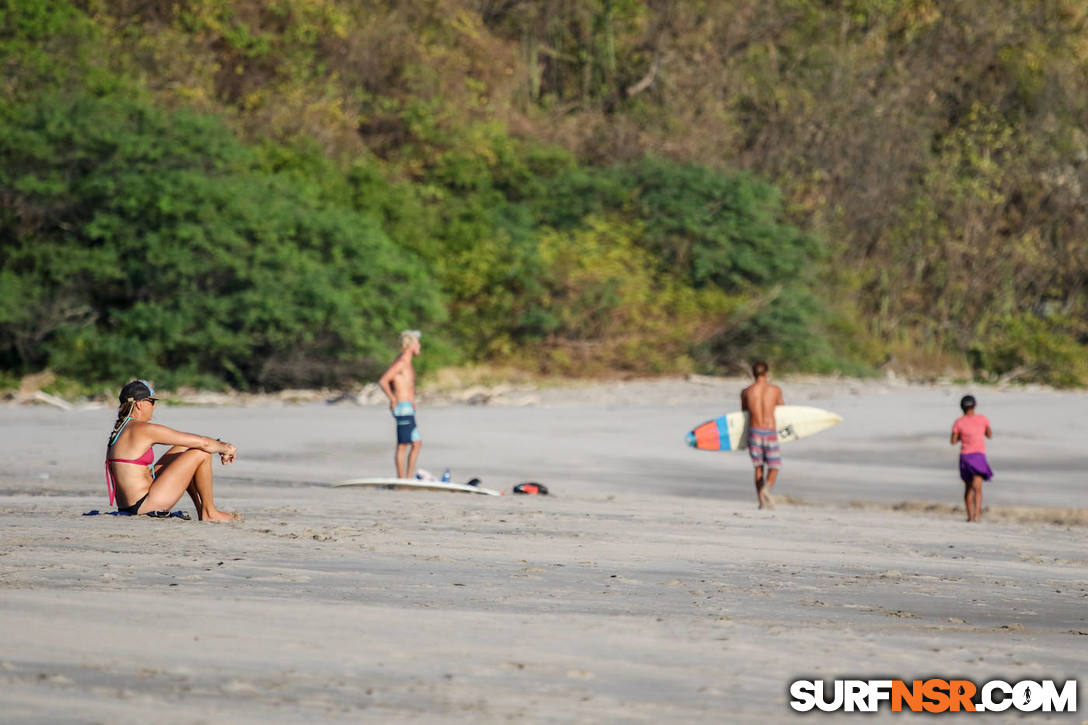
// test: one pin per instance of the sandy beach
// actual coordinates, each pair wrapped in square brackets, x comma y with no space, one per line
[647,588]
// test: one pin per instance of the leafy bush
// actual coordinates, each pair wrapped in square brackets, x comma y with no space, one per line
[717,231]
[1029,348]
[553,263]
[144,242]
[604,306]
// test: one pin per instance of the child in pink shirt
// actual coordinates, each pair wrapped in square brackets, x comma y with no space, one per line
[971,432]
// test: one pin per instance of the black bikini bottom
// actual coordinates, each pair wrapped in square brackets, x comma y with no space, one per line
[134,507]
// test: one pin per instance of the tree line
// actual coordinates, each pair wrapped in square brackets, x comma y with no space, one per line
[260,194]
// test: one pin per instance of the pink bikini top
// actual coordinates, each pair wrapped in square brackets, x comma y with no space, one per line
[145,460]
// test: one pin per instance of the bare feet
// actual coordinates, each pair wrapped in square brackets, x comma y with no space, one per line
[768,500]
[217,515]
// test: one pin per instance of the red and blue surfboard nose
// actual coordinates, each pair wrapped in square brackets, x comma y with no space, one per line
[710,436]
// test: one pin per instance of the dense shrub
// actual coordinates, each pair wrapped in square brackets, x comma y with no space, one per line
[1031,348]
[715,231]
[137,241]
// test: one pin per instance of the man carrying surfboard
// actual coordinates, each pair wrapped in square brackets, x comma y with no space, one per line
[760,399]
[399,385]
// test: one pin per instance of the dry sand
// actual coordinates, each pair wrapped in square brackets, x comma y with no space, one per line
[648,588]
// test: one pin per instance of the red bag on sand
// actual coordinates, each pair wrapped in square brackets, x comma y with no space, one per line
[534,488]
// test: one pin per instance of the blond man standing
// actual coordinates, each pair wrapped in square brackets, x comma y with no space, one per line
[399,385]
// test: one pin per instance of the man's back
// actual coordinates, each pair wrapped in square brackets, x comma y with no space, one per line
[760,399]
[403,379]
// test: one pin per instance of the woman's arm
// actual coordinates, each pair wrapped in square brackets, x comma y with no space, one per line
[168,436]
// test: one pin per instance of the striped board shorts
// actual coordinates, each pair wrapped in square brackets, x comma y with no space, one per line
[763,448]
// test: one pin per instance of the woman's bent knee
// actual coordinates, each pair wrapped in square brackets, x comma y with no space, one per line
[189,457]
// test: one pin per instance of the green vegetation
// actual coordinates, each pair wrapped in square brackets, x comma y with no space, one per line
[151,241]
[260,195]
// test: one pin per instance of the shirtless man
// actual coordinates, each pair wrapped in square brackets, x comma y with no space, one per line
[760,399]
[399,385]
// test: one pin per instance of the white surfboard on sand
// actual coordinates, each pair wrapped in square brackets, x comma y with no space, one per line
[415,483]
[730,432]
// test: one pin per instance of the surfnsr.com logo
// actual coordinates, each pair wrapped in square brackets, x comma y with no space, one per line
[933,695]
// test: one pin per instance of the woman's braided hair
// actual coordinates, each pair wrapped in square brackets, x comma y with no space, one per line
[124,410]
[133,391]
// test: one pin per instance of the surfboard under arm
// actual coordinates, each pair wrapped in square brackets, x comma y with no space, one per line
[730,432]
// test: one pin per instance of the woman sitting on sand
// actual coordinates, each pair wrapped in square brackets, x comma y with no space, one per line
[187,466]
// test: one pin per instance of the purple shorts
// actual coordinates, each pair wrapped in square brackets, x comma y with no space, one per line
[763,448]
[974,464]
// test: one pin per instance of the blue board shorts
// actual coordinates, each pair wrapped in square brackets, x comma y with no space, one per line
[407,430]
[763,448]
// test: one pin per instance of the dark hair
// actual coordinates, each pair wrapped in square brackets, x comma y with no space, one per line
[759,368]
[135,390]
[967,402]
